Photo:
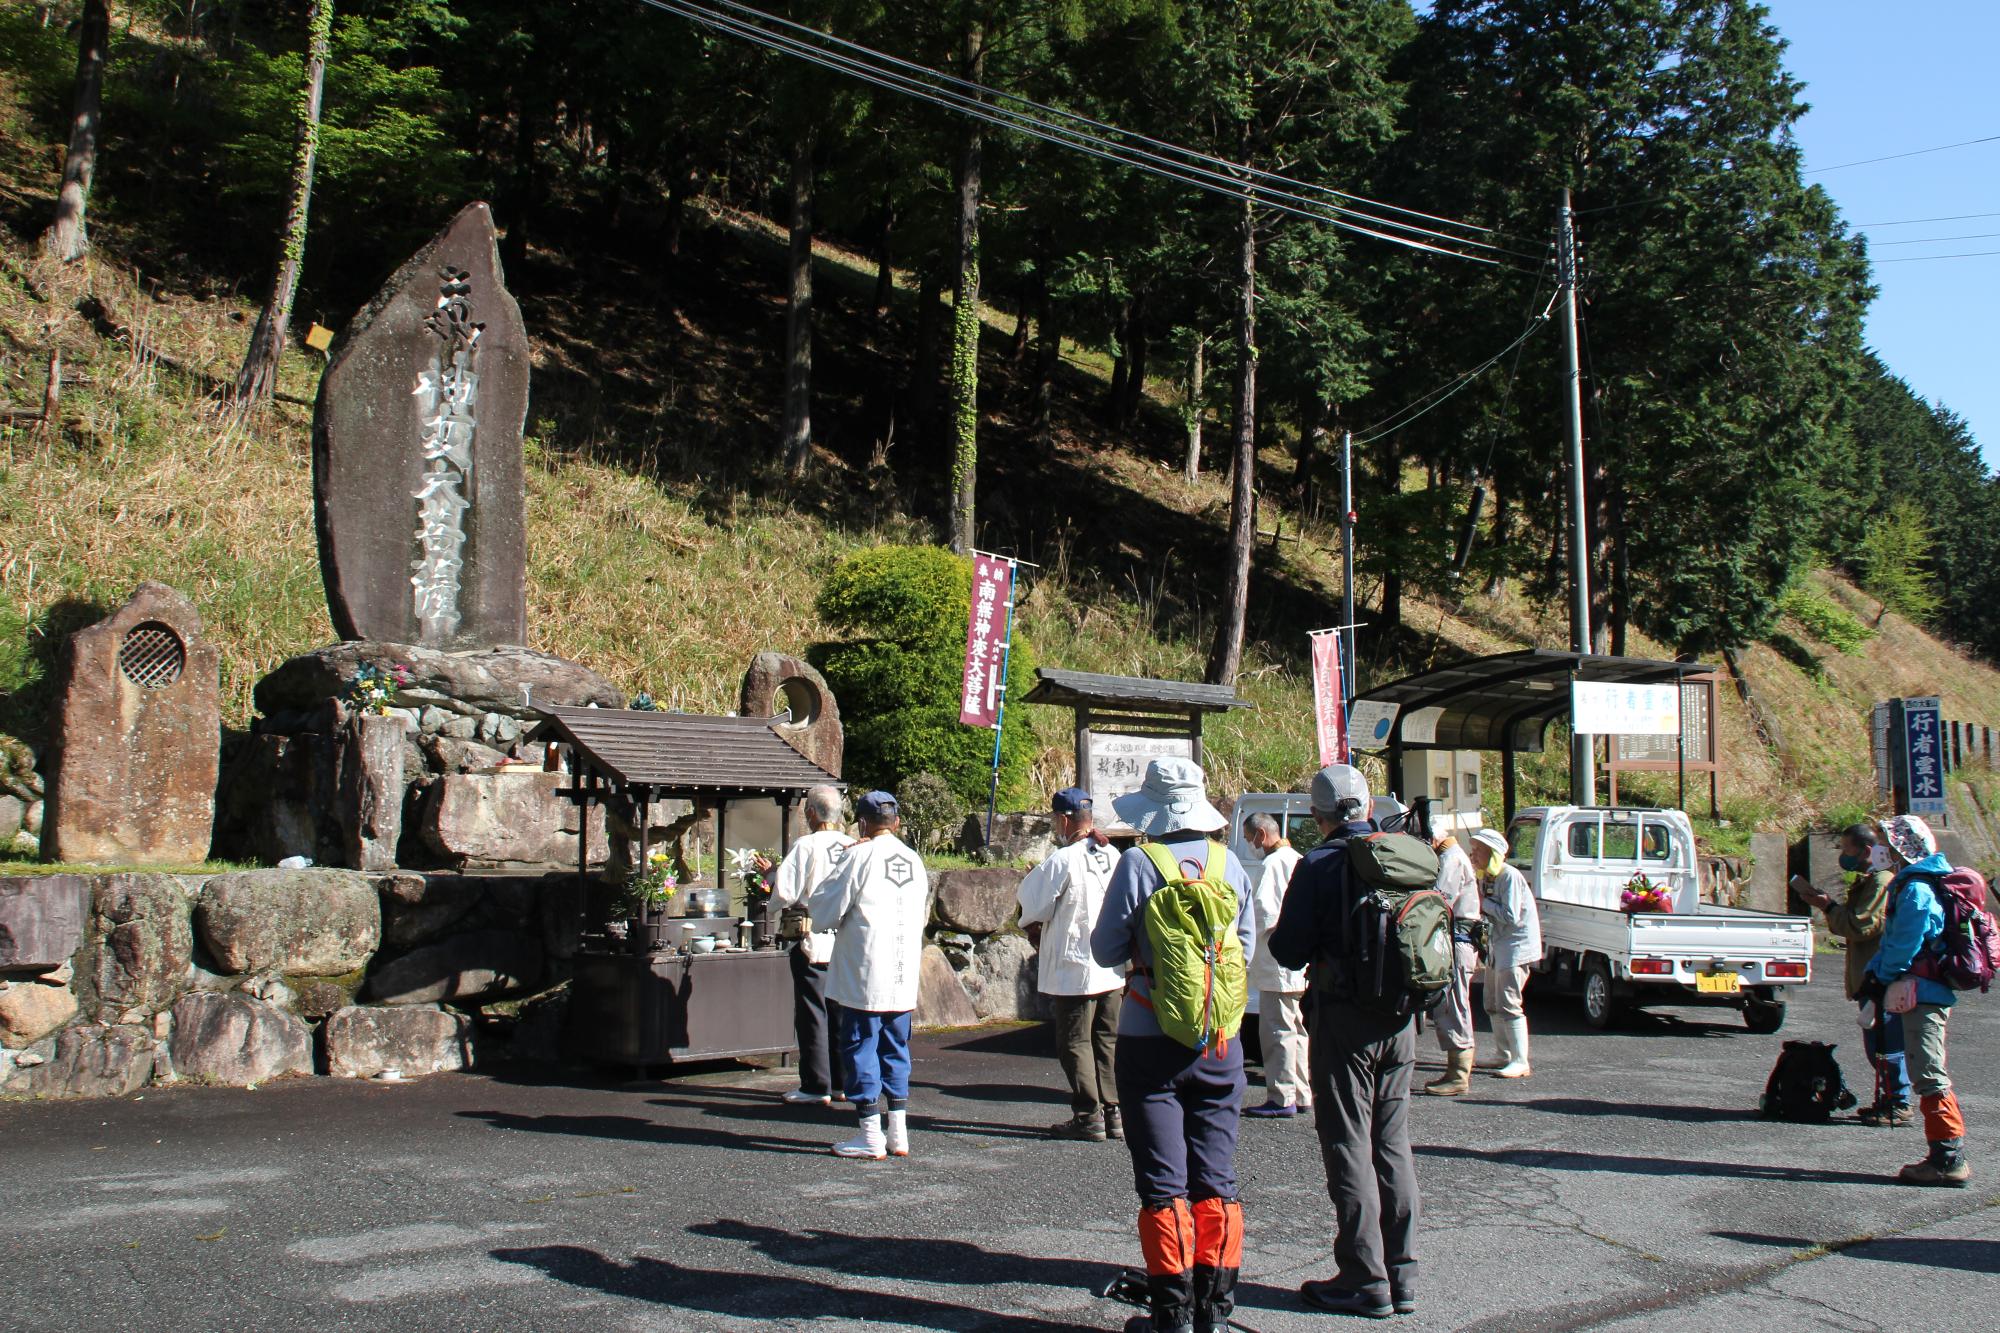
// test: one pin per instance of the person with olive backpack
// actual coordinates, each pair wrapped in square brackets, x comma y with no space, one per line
[1178,910]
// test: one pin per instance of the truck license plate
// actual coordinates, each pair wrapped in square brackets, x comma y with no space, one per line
[1718,983]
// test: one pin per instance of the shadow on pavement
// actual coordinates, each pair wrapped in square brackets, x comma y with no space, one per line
[1543,1159]
[1589,1106]
[1969,1256]
[1025,1039]
[761,1295]
[635,1130]
[999,1092]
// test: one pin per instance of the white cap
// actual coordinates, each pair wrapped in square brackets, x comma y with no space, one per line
[1492,839]
[1337,783]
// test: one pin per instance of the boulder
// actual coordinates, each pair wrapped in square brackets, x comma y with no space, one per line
[88,1060]
[31,822]
[13,814]
[979,901]
[411,1039]
[300,922]
[368,790]
[317,997]
[498,819]
[1001,980]
[941,999]
[140,946]
[490,680]
[463,967]
[448,754]
[1016,837]
[1769,859]
[417,909]
[30,1011]
[235,1040]
[42,919]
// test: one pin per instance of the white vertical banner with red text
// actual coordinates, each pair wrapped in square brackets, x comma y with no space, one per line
[1329,704]
[986,633]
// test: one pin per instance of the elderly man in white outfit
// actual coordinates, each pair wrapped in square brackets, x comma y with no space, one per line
[811,861]
[1062,896]
[876,904]
[1516,947]
[1459,883]
[1281,1020]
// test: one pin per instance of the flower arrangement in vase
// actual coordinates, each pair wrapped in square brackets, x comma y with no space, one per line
[1642,895]
[373,687]
[652,888]
[751,866]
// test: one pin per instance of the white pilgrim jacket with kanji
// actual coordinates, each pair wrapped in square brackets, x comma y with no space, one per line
[875,904]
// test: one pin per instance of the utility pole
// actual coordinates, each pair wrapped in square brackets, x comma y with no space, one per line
[1348,686]
[1582,748]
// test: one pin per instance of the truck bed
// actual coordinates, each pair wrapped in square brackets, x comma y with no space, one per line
[1707,934]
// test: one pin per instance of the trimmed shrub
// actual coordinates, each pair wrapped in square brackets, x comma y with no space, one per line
[932,812]
[897,675]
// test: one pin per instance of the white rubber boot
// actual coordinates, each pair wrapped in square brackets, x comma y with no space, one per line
[868,1145]
[1515,1045]
[899,1134]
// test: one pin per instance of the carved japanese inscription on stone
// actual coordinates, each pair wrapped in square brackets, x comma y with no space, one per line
[417,466]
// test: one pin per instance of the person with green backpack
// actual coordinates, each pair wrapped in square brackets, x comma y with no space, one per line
[1178,910]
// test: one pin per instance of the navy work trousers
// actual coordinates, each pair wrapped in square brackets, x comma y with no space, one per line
[1181,1112]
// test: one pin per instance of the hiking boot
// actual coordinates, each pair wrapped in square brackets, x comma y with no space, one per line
[1456,1080]
[1336,1299]
[1273,1111]
[1114,1123]
[1892,1116]
[800,1097]
[1945,1167]
[1404,1302]
[1089,1128]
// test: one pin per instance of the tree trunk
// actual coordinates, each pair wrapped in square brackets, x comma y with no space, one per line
[1312,425]
[1621,578]
[797,440]
[1227,657]
[1503,533]
[1048,355]
[1121,364]
[521,192]
[1018,351]
[923,368]
[1197,372]
[1392,570]
[1135,361]
[258,379]
[66,238]
[885,272]
[678,188]
[962,404]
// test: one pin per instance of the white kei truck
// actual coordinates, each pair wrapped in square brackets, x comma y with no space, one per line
[1578,862]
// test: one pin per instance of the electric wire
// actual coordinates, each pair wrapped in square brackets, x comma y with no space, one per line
[1231,184]
[1049,110]
[1896,157]
[1920,259]
[1940,240]
[1911,222]
[1437,397]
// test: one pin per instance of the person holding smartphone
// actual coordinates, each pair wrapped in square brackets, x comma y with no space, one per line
[1858,919]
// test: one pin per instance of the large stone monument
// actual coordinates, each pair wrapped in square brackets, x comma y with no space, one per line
[417,475]
[138,736]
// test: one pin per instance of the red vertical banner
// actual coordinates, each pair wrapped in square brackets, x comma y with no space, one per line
[986,641]
[1329,705]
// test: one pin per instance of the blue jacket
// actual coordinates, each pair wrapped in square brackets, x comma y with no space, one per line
[1915,921]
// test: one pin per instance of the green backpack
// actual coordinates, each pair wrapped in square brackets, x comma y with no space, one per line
[1398,932]
[1199,986]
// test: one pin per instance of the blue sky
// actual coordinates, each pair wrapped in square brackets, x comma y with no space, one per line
[1887,78]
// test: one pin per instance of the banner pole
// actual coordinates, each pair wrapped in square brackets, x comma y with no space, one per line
[1000,713]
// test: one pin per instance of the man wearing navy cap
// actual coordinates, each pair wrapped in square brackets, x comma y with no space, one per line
[876,904]
[1062,897]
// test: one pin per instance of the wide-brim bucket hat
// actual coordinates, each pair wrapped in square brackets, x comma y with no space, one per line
[1173,796]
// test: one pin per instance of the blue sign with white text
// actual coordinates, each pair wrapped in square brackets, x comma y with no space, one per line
[1923,756]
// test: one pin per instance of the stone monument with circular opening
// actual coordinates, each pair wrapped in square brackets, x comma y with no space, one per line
[137,738]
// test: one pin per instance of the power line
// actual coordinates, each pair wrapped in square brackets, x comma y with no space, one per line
[1437,397]
[1896,157]
[1911,222]
[1919,259]
[1236,181]
[1940,240]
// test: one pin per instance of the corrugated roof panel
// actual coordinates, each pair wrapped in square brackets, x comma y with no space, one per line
[684,751]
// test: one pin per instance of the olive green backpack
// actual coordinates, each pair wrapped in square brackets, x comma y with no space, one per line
[1199,986]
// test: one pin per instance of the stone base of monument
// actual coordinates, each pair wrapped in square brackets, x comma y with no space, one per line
[432,777]
[111,982]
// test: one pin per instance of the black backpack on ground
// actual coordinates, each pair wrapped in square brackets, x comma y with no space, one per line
[1805,1086]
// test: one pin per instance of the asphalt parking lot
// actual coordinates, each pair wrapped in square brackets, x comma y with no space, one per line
[1628,1184]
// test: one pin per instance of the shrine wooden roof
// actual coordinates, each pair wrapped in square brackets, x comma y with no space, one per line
[1083,689]
[684,754]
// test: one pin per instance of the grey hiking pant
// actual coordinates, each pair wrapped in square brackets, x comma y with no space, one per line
[1086,1045]
[1362,1064]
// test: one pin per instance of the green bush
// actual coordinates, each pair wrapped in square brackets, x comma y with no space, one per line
[897,674]
[932,812]
[1824,619]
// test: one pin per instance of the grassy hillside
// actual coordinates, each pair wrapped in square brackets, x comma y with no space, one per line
[664,552]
